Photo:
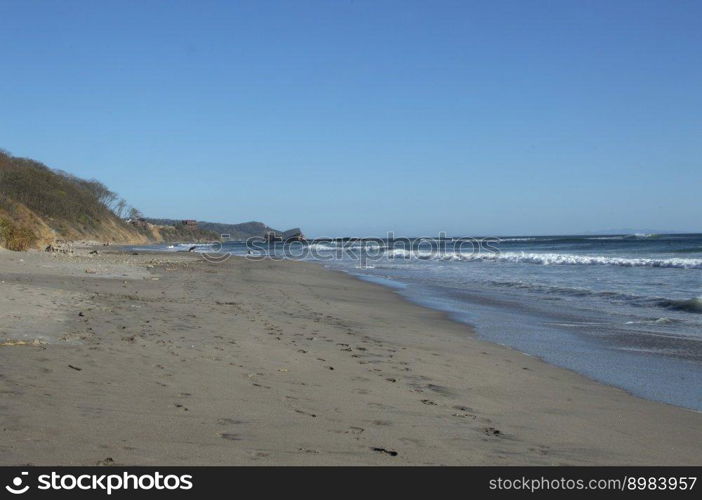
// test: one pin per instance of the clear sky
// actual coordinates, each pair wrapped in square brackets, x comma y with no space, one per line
[359,117]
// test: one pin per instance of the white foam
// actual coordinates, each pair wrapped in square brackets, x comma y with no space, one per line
[501,240]
[322,246]
[550,259]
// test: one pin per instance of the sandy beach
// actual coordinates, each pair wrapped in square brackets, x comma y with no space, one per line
[167,359]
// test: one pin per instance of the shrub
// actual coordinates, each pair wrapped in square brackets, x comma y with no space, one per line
[15,237]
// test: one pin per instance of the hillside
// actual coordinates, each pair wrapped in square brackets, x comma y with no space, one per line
[236,231]
[180,233]
[39,206]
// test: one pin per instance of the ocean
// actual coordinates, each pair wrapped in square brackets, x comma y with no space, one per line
[625,310]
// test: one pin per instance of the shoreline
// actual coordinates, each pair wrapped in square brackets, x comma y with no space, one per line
[279,362]
[397,287]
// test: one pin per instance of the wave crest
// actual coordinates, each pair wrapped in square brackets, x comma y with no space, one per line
[689,305]
[550,259]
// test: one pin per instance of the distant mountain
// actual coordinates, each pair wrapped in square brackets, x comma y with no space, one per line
[240,231]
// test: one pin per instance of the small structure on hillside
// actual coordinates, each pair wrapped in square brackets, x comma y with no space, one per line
[189,223]
[139,222]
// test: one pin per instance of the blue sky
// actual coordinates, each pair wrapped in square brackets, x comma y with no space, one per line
[360,117]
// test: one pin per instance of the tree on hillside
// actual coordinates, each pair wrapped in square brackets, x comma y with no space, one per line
[135,213]
[120,208]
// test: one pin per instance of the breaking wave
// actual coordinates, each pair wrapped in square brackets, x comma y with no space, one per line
[549,259]
[690,305]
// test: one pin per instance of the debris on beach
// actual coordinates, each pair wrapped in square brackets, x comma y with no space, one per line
[34,342]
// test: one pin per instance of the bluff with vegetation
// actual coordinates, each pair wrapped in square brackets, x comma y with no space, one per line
[235,231]
[39,206]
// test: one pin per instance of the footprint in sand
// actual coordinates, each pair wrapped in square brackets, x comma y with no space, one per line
[229,421]
[392,453]
[308,451]
[382,423]
[301,412]
[229,436]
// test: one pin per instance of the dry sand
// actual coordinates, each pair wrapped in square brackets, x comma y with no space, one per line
[167,359]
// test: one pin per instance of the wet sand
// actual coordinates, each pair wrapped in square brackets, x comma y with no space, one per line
[167,359]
